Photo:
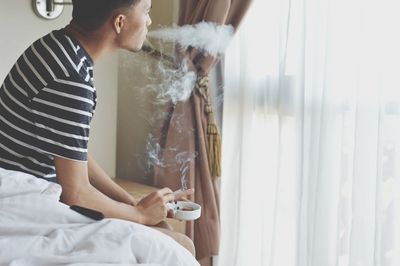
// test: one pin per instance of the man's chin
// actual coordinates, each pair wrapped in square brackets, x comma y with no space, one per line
[136,48]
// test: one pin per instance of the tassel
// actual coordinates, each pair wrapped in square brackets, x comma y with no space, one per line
[214,155]
[214,138]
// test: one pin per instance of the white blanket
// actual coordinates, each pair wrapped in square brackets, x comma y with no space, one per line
[37,229]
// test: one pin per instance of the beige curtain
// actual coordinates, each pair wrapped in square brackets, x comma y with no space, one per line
[184,137]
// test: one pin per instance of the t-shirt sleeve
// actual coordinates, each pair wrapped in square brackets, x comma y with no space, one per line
[62,112]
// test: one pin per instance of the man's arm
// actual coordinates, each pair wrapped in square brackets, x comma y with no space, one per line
[100,180]
[77,190]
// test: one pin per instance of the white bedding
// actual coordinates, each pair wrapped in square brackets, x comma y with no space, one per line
[36,229]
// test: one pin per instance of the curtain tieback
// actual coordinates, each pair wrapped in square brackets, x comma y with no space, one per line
[214,139]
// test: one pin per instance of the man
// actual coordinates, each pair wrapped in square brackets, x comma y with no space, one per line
[48,99]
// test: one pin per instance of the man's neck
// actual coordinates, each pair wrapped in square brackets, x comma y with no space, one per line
[96,43]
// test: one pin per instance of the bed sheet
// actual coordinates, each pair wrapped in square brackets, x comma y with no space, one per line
[37,229]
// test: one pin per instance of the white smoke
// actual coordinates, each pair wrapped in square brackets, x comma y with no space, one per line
[176,86]
[209,37]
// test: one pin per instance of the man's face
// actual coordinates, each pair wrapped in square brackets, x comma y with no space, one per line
[134,31]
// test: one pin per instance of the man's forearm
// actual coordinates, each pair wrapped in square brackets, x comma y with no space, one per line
[100,180]
[78,190]
[88,196]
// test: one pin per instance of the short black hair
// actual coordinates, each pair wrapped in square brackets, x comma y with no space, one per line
[91,14]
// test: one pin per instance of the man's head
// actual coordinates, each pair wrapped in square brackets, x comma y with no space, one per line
[128,19]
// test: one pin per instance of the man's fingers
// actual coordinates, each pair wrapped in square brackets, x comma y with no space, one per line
[183,193]
[168,198]
[170,213]
[165,191]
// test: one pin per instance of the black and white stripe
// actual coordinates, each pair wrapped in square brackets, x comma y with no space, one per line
[46,104]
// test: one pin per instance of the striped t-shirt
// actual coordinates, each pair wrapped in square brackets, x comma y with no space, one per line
[46,104]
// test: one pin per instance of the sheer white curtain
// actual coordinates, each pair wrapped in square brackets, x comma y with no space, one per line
[311,135]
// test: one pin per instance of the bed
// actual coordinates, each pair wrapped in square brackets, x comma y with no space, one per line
[37,229]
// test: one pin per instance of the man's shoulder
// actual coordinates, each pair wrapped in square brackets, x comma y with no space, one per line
[62,56]
[56,35]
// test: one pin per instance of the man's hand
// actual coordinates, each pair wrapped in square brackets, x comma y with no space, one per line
[153,206]
[180,195]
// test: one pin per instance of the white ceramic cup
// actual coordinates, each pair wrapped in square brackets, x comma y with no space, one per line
[181,214]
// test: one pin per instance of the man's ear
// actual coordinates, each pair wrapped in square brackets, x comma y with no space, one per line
[119,21]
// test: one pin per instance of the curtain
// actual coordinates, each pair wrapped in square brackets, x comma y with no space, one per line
[184,136]
[311,136]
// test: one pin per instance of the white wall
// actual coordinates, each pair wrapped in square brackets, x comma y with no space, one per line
[20,27]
